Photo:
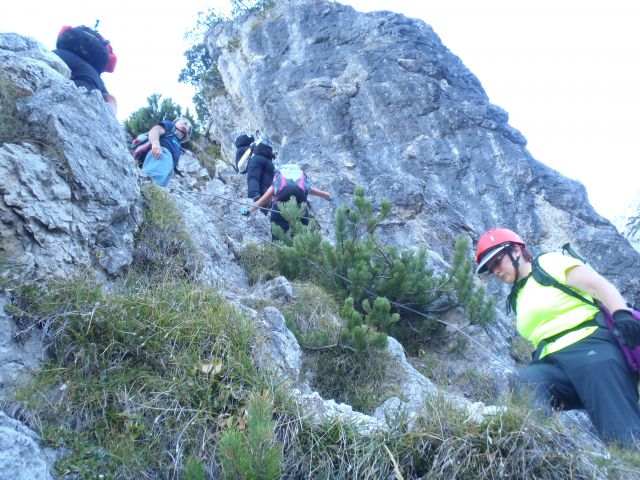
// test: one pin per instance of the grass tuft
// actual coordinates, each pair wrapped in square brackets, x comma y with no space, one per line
[164,247]
[13,128]
[362,384]
[138,380]
[446,444]
[260,262]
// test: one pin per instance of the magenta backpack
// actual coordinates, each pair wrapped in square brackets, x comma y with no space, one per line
[632,354]
[290,180]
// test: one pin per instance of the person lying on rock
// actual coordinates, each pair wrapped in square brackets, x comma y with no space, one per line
[162,159]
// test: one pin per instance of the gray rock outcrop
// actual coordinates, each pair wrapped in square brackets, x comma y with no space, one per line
[629,223]
[68,186]
[358,99]
[21,456]
[377,100]
[21,352]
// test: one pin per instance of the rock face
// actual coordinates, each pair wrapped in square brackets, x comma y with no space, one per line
[21,457]
[358,99]
[17,359]
[629,223]
[59,212]
[377,100]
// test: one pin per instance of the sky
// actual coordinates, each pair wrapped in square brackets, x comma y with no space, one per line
[565,71]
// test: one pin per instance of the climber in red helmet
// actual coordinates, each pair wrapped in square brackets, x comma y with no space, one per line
[578,363]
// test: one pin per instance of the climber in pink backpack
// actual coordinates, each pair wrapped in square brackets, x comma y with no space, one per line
[288,181]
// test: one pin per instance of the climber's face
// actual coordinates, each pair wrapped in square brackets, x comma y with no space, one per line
[183,129]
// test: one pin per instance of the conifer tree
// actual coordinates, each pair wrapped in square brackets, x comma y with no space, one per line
[360,267]
[156,110]
[253,453]
[362,333]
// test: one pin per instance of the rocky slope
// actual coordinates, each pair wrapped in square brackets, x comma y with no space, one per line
[358,99]
[377,100]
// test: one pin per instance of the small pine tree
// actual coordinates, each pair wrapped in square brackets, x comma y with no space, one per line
[254,453]
[480,310]
[361,267]
[364,333]
[203,74]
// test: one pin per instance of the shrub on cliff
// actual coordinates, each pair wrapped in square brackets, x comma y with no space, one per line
[361,267]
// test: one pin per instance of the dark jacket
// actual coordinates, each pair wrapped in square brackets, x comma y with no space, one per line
[83,74]
[260,170]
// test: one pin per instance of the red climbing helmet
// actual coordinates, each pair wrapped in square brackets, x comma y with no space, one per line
[492,243]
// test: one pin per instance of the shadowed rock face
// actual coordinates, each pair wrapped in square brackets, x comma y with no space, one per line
[377,100]
[68,186]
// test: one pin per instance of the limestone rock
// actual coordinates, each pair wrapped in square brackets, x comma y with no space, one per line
[377,100]
[279,350]
[21,352]
[70,196]
[21,456]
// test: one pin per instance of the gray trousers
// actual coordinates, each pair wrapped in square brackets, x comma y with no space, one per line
[591,374]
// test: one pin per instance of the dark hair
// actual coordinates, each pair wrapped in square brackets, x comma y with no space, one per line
[517,284]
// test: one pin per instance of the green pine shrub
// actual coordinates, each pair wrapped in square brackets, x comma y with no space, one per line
[360,266]
[363,332]
[252,453]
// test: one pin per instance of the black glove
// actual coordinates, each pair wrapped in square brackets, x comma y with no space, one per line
[627,328]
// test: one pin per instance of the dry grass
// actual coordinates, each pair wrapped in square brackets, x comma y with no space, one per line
[164,249]
[139,380]
[13,127]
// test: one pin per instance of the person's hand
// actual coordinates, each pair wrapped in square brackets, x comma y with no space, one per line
[627,328]
[156,150]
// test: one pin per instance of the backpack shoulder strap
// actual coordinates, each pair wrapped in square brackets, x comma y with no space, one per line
[541,276]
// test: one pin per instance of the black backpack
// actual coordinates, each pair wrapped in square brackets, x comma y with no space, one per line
[89,45]
[244,140]
[243,152]
[263,148]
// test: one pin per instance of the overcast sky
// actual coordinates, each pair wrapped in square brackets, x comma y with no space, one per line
[565,71]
